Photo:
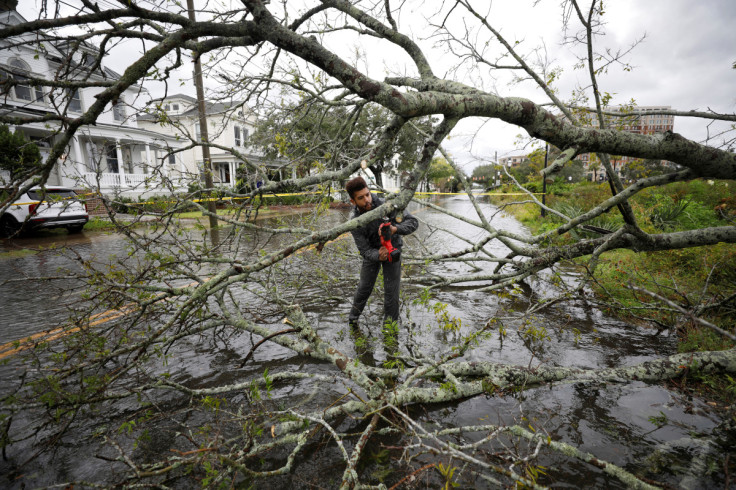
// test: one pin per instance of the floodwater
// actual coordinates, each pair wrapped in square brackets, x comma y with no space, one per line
[619,423]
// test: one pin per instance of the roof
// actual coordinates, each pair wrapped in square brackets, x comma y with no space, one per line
[211,108]
[188,98]
[59,48]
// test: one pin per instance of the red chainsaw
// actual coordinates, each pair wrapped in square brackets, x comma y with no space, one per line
[384,232]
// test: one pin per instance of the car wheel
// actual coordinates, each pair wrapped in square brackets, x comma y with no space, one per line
[9,227]
[75,228]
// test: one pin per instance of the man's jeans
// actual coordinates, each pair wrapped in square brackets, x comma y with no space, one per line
[391,283]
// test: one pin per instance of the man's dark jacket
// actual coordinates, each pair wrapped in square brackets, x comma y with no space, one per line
[366,237]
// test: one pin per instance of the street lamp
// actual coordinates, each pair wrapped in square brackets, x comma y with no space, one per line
[544,179]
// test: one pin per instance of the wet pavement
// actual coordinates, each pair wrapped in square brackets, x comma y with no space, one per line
[614,422]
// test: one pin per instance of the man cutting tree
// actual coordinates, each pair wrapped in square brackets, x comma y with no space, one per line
[379,243]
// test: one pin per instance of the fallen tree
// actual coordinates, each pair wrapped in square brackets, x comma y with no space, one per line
[182,288]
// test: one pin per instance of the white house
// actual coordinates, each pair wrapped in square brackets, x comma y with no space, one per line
[115,154]
[230,123]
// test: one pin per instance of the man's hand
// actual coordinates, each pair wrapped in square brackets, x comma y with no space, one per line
[383,254]
[394,230]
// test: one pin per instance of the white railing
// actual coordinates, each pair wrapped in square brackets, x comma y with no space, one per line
[136,180]
[110,180]
[106,180]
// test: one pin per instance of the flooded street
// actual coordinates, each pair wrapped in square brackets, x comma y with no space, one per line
[617,423]
[29,307]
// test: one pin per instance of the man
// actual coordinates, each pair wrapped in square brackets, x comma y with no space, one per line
[374,255]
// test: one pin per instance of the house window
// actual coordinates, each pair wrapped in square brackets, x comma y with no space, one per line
[172,158]
[75,102]
[167,107]
[112,158]
[176,107]
[245,135]
[118,111]
[238,141]
[197,132]
[23,91]
[88,59]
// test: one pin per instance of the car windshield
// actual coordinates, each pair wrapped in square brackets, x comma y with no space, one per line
[52,194]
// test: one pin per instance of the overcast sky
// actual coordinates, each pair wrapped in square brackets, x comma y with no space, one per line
[684,61]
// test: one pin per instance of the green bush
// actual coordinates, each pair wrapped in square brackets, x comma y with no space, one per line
[699,215]
[683,205]
[665,212]
[558,188]
[17,155]
[535,186]
[607,221]
[122,205]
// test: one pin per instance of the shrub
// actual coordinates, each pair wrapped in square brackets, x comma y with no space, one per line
[535,186]
[666,212]
[607,221]
[17,155]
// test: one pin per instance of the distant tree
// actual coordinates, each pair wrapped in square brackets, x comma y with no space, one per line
[594,166]
[18,156]
[486,174]
[527,171]
[572,172]
[640,169]
[439,173]
[322,136]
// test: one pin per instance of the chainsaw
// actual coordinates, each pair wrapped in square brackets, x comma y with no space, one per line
[384,232]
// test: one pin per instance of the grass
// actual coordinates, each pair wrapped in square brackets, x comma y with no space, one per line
[690,277]
[199,214]
[99,224]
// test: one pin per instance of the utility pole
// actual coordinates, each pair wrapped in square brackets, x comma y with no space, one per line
[204,136]
[495,162]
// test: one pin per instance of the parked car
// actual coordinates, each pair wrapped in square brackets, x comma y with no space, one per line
[51,207]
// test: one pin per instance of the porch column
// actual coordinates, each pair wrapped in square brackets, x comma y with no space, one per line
[148,159]
[155,161]
[232,174]
[165,170]
[293,172]
[81,167]
[94,165]
[121,163]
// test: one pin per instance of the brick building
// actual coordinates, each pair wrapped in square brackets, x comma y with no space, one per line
[645,121]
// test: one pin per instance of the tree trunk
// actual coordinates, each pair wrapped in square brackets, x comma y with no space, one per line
[378,174]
